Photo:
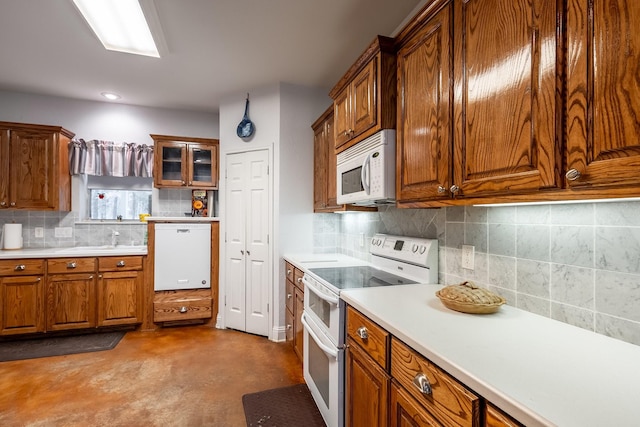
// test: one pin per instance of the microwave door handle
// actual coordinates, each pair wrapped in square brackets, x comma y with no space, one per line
[365,175]
[328,350]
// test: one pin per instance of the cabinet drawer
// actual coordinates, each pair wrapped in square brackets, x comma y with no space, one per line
[297,279]
[169,306]
[21,267]
[289,295]
[494,417]
[449,401]
[373,339]
[289,269]
[122,263]
[71,265]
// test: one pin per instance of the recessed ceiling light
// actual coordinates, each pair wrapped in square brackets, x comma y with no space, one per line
[120,25]
[110,96]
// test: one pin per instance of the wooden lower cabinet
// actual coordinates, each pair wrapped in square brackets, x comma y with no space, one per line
[294,302]
[71,301]
[21,305]
[367,389]
[120,290]
[405,411]
[494,417]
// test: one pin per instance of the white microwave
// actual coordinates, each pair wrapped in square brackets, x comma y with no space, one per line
[367,171]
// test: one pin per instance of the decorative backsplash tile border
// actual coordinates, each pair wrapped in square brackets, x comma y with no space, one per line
[576,263]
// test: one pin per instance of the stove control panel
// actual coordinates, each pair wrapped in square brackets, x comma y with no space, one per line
[414,250]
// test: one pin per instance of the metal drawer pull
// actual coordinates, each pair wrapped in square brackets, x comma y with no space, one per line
[183,309]
[573,174]
[454,189]
[362,332]
[20,267]
[289,296]
[441,189]
[288,272]
[299,279]
[422,383]
[71,264]
[289,326]
[120,264]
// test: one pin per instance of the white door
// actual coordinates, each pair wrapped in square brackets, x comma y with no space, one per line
[248,276]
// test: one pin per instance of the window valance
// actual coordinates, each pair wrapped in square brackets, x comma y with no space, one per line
[106,158]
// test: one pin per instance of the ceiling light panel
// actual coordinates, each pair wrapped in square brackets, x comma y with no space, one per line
[120,25]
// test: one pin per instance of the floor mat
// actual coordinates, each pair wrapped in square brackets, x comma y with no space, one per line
[58,346]
[290,406]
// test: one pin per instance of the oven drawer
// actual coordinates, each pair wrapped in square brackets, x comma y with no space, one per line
[373,339]
[448,400]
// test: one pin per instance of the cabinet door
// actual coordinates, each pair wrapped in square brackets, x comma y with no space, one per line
[32,169]
[603,93]
[343,122]
[298,329]
[120,298]
[4,167]
[171,161]
[21,305]
[203,166]
[363,99]
[406,412]
[367,390]
[505,97]
[494,417]
[320,172]
[71,301]
[424,126]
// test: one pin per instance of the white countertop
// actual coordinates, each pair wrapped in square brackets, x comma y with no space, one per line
[78,251]
[540,371]
[306,261]
[183,219]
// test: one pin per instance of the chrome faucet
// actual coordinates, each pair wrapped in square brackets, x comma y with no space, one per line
[114,238]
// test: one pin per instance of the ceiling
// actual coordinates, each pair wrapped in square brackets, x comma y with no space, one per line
[214,48]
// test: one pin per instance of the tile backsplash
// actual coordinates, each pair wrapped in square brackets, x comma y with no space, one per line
[576,263]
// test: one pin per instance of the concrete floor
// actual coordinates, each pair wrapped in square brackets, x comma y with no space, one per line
[183,376]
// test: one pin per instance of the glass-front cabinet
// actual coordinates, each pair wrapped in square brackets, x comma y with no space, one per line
[185,162]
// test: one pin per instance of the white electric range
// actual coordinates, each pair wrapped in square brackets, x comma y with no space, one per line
[395,260]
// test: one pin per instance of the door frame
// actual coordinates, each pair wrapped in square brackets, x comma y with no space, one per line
[222,189]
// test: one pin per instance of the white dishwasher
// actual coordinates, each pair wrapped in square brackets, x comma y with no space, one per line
[182,256]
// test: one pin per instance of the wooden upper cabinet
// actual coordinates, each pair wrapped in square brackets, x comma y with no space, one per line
[603,94]
[35,167]
[185,162]
[324,165]
[364,100]
[424,111]
[505,99]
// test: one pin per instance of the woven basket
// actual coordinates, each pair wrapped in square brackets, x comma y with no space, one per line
[469,298]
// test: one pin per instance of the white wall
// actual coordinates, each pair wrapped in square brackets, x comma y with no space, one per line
[282,115]
[104,120]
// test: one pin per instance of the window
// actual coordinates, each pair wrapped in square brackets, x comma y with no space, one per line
[111,198]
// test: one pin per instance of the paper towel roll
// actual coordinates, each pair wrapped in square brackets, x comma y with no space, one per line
[12,236]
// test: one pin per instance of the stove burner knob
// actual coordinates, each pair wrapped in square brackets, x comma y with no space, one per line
[414,248]
[422,249]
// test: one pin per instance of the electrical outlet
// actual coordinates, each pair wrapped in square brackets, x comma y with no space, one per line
[39,232]
[468,253]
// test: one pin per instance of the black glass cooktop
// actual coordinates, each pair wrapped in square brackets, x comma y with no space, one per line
[359,277]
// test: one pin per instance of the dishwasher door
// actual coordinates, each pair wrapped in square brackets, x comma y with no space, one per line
[182,256]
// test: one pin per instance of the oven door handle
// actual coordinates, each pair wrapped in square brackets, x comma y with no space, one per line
[333,352]
[326,297]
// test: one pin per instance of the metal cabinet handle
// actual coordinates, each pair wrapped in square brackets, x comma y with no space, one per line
[289,326]
[454,189]
[91,277]
[72,264]
[120,263]
[3,203]
[573,174]
[13,203]
[299,279]
[288,272]
[362,332]
[183,182]
[422,383]
[289,296]
[20,267]
[99,276]
[441,189]
[183,309]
